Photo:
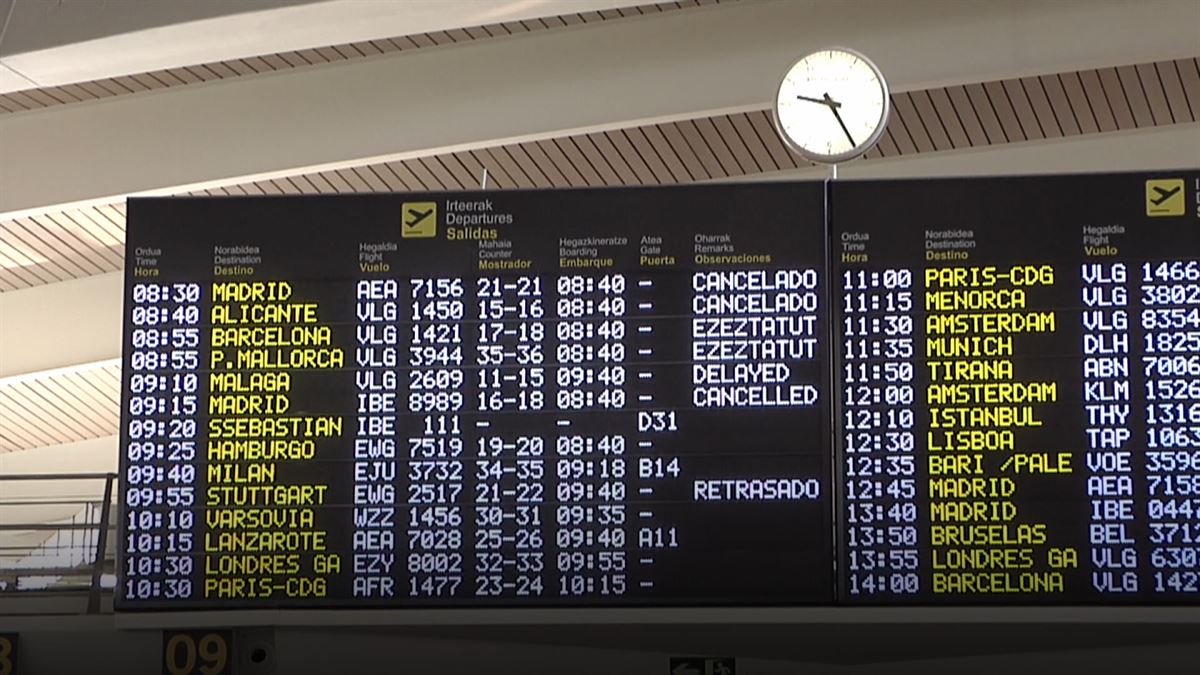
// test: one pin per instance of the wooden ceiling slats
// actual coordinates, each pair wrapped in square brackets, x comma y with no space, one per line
[581,162]
[632,156]
[471,164]
[1005,113]
[1081,106]
[21,269]
[35,256]
[450,164]
[497,173]
[931,121]
[515,173]
[322,183]
[742,154]
[909,119]
[18,415]
[979,108]
[1093,89]
[1060,106]
[528,167]
[37,98]
[1156,97]
[60,408]
[425,175]
[1114,96]
[1018,98]
[381,174]
[537,155]
[54,423]
[664,155]
[712,140]
[407,179]
[964,112]
[754,144]
[693,144]
[1135,96]
[762,122]
[952,124]
[598,146]
[369,178]
[1189,75]
[86,240]
[572,174]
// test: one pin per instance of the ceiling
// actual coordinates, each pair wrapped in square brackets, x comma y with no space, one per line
[51,43]
[104,100]
[35,25]
[73,243]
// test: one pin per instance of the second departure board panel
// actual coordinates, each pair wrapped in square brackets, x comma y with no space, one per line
[512,398]
[1018,389]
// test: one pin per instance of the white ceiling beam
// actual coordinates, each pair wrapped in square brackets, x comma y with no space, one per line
[43,44]
[95,455]
[60,325]
[11,80]
[657,67]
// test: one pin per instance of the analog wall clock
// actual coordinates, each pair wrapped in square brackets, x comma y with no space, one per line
[832,105]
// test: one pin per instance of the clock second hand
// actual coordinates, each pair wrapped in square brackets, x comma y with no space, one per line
[833,106]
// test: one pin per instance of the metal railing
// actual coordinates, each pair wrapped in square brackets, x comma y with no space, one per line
[56,533]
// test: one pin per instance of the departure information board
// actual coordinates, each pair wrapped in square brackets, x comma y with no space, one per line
[962,391]
[477,399]
[1018,389]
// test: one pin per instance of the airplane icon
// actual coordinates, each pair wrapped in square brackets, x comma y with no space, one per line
[1164,195]
[419,219]
[415,217]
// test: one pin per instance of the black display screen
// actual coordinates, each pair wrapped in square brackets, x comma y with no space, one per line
[478,399]
[960,391]
[1018,389]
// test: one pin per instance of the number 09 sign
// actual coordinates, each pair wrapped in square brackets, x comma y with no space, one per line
[198,652]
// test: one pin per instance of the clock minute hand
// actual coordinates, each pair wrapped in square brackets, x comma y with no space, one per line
[822,101]
[833,106]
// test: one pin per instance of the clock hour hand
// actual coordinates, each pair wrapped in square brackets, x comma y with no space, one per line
[822,101]
[833,106]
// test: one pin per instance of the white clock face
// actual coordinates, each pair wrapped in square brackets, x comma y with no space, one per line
[832,105]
